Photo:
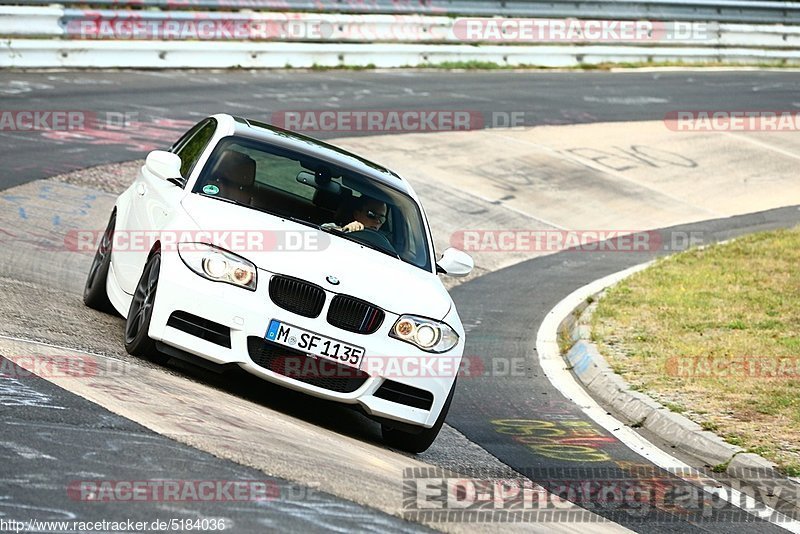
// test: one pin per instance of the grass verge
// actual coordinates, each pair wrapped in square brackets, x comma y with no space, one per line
[715,332]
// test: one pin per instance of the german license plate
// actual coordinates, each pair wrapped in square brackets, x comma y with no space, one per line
[309,342]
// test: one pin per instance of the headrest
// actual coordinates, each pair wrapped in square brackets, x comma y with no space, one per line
[234,167]
[331,201]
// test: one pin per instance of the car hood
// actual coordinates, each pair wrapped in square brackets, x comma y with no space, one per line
[301,251]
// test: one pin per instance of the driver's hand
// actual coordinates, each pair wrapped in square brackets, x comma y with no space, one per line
[354,226]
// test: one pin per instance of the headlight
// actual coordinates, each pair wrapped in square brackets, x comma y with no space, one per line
[427,334]
[218,265]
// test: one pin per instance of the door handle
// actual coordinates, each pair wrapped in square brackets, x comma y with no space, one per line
[141,189]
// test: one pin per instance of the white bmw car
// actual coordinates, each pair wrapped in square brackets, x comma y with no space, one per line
[301,263]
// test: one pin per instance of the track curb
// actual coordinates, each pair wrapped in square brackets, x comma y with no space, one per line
[637,409]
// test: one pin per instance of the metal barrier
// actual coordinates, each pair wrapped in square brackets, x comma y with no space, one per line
[182,25]
[741,11]
[175,39]
[82,24]
[31,21]
[54,53]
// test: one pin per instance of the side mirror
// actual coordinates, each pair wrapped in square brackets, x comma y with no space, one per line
[455,262]
[164,165]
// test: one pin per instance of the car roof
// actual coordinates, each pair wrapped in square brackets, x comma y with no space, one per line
[314,147]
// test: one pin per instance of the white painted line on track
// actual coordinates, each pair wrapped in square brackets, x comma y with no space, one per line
[555,368]
[762,144]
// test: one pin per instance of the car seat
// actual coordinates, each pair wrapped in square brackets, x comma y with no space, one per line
[234,173]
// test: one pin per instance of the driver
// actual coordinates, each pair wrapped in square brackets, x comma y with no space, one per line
[368,213]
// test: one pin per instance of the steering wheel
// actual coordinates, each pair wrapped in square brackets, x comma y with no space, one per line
[375,238]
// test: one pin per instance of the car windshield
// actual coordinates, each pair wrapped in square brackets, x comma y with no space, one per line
[317,192]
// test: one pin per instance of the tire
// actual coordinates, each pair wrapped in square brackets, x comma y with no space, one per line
[137,340]
[419,442]
[94,292]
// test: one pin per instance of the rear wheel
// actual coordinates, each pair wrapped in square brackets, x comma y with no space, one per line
[137,340]
[94,292]
[419,442]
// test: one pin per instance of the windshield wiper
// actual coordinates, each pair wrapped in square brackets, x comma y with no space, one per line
[300,221]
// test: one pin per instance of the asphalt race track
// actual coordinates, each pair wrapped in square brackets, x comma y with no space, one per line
[70,438]
[57,426]
[506,327]
[159,102]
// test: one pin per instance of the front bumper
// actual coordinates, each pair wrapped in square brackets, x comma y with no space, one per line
[247,315]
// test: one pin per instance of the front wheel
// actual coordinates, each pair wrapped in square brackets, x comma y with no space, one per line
[137,340]
[419,442]
[94,292]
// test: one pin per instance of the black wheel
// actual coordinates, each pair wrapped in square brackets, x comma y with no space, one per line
[94,292]
[419,442]
[137,341]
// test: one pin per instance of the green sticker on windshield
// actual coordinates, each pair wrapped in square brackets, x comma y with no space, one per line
[210,189]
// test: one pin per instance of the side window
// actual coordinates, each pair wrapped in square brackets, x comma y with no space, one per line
[279,173]
[192,145]
[185,137]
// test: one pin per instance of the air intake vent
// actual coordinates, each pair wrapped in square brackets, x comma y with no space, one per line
[354,315]
[299,366]
[405,394]
[297,296]
[202,328]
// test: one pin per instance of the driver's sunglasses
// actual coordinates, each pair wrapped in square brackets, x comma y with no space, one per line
[375,217]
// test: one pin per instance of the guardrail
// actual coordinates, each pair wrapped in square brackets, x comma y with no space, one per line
[175,39]
[741,11]
[308,27]
[53,53]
